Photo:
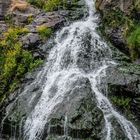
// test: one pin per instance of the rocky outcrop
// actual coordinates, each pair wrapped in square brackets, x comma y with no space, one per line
[118,18]
[124,90]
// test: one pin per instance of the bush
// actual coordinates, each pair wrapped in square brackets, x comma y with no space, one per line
[121,101]
[38,3]
[15,61]
[53,5]
[133,41]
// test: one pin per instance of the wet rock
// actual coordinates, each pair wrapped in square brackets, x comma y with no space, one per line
[78,116]
[123,86]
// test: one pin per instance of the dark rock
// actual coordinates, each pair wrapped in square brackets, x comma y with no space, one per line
[117,39]
[4,5]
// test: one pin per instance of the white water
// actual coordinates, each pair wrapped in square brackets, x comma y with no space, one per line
[63,69]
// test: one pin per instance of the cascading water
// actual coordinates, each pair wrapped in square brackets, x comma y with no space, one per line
[63,62]
[66,63]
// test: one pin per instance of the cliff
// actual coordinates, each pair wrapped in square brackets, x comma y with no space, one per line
[120,26]
[120,23]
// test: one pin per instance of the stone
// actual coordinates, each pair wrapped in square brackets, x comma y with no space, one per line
[30,39]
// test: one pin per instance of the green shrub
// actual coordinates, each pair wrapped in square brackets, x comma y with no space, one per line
[44,31]
[35,64]
[38,3]
[121,101]
[133,41]
[53,5]
[14,61]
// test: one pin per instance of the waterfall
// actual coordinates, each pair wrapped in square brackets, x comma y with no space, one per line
[66,62]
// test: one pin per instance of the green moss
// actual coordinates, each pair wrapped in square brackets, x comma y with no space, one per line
[38,3]
[30,18]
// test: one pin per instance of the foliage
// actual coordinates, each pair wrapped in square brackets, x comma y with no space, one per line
[133,41]
[121,101]
[44,31]
[115,18]
[30,18]
[52,5]
[15,61]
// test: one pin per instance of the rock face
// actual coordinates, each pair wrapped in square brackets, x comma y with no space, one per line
[78,116]
[117,17]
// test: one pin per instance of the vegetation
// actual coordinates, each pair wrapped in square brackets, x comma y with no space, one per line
[134,42]
[114,18]
[52,5]
[122,102]
[44,31]
[15,61]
